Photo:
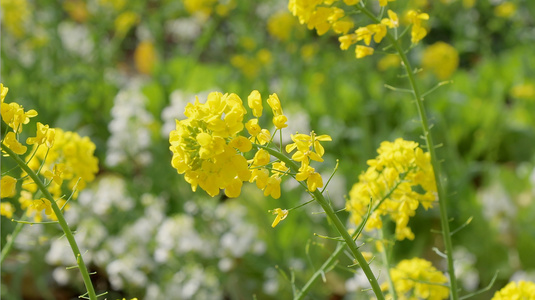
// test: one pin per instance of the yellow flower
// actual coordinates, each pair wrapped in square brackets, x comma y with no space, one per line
[7,209]
[347,40]
[281,215]
[71,158]
[261,158]
[3,92]
[398,168]
[505,10]
[440,58]
[516,290]
[10,140]
[241,143]
[145,57]
[363,51]
[124,22]
[13,115]
[254,101]
[385,2]
[279,119]
[260,176]
[15,15]
[204,145]
[280,25]
[417,31]
[523,91]
[273,187]
[77,10]
[44,134]
[309,174]
[392,21]
[8,186]
[416,278]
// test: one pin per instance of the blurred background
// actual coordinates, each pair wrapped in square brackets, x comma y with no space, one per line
[122,71]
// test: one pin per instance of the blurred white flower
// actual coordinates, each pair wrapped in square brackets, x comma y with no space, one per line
[130,135]
[184,29]
[75,38]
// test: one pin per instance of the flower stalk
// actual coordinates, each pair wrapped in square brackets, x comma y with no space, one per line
[342,230]
[61,220]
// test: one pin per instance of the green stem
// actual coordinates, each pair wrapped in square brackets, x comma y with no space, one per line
[329,262]
[61,220]
[386,263]
[10,241]
[431,148]
[338,224]
[444,220]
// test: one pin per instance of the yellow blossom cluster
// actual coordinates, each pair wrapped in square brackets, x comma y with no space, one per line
[516,290]
[56,154]
[15,15]
[208,149]
[440,58]
[323,15]
[391,184]
[205,8]
[416,278]
[320,15]
[377,31]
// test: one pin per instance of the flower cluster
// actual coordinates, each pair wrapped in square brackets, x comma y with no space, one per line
[516,290]
[57,155]
[322,15]
[416,278]
[441,59]
[389,185]
[209,150]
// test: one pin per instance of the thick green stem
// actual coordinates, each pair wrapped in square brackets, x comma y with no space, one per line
[342,230]
[61,220]
[431,148]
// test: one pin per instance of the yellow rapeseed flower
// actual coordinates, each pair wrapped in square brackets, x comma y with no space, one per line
[10,140]
[145,57]
[416,278]
[516,290]
[8,186]
[281,215]
[7,209]
[15,14]
[398,168]
[440,58]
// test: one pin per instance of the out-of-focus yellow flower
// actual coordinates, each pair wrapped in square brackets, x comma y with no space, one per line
[505,10]
[145,57]
[281,215]
[363,51]
[440,58]
[469,3]
[124,22]
[385,2]
[71,158]
[3,92]
[15,15]
[416,278]
[205,8]
[248,66]
[398,168]
[8,186]
[389,61]
[44,135]
[280,26]
[77,10]
[524,91]
[7,209]
[254,101]
[516,290]
[418,32]
[10,140]
[264,56]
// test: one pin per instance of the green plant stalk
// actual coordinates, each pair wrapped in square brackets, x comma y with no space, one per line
[386,261]
[304,290]
[61,220]
[10,241]
[444,220]
[338,224]
[431,148]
